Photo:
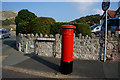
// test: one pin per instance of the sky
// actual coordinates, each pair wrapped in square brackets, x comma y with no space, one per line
[60,11]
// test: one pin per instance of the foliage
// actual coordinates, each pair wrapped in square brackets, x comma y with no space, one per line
[5,22]
[13,26]
[22,28]
[41,25]
[80,28]
[22,19]
[8,22]
[25,15]
[18,20]
[55,28]
[83,28]
[92,19]
[27,22]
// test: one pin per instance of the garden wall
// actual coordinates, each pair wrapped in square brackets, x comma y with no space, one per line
[87,48]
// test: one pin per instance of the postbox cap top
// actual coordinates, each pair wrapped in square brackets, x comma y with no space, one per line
[68,26]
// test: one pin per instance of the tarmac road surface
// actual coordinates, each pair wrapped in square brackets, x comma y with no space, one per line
[81,68]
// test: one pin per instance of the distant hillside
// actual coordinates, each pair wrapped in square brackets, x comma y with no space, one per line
[8,17]
[8,14]
[91,19]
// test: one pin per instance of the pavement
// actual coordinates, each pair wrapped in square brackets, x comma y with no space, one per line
[20,65]
[9,49]
[10,74]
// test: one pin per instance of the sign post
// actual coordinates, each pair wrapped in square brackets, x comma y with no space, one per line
[105,6]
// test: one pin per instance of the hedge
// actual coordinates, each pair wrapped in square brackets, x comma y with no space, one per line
[41,25]
[80,28]
[22,28]
[22,19]
[28,22]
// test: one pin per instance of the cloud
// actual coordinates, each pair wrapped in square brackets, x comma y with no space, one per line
[98,11]
[88,8]
[84,7]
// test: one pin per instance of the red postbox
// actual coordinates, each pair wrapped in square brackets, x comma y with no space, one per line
[67,49]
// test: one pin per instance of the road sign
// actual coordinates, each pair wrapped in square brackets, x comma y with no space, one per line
[105,5]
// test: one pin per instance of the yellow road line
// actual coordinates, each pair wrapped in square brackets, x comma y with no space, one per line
[3,57]
[38,73]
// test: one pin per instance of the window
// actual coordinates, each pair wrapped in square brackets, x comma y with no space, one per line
[114,22]
[94,26]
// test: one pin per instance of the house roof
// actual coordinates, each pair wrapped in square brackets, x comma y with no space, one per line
[112,13]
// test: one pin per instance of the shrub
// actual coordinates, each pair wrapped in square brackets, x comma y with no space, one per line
[41,25]
[24,16]
[22,28]
[55,28]
[80,28]
[83,28]
[5,22]
[8,22]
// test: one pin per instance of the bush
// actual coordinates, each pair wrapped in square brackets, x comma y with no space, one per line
[5,22]
[24,15]
[55,28]
[27,22]
[83,28]
[41,25]
[22,28]
[22,19]
[80,28]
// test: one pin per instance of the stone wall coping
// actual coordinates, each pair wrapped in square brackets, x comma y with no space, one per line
[45,39]
[80,36]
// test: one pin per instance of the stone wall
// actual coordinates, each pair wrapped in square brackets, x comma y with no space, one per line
[87,48]
[112,47]
[25,43]
[84,47]
[44,48]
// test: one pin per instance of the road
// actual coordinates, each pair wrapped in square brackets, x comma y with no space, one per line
[10,57]
[20,65]
[8,43]
[9,50]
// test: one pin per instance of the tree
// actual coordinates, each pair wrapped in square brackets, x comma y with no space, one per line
[22,19]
